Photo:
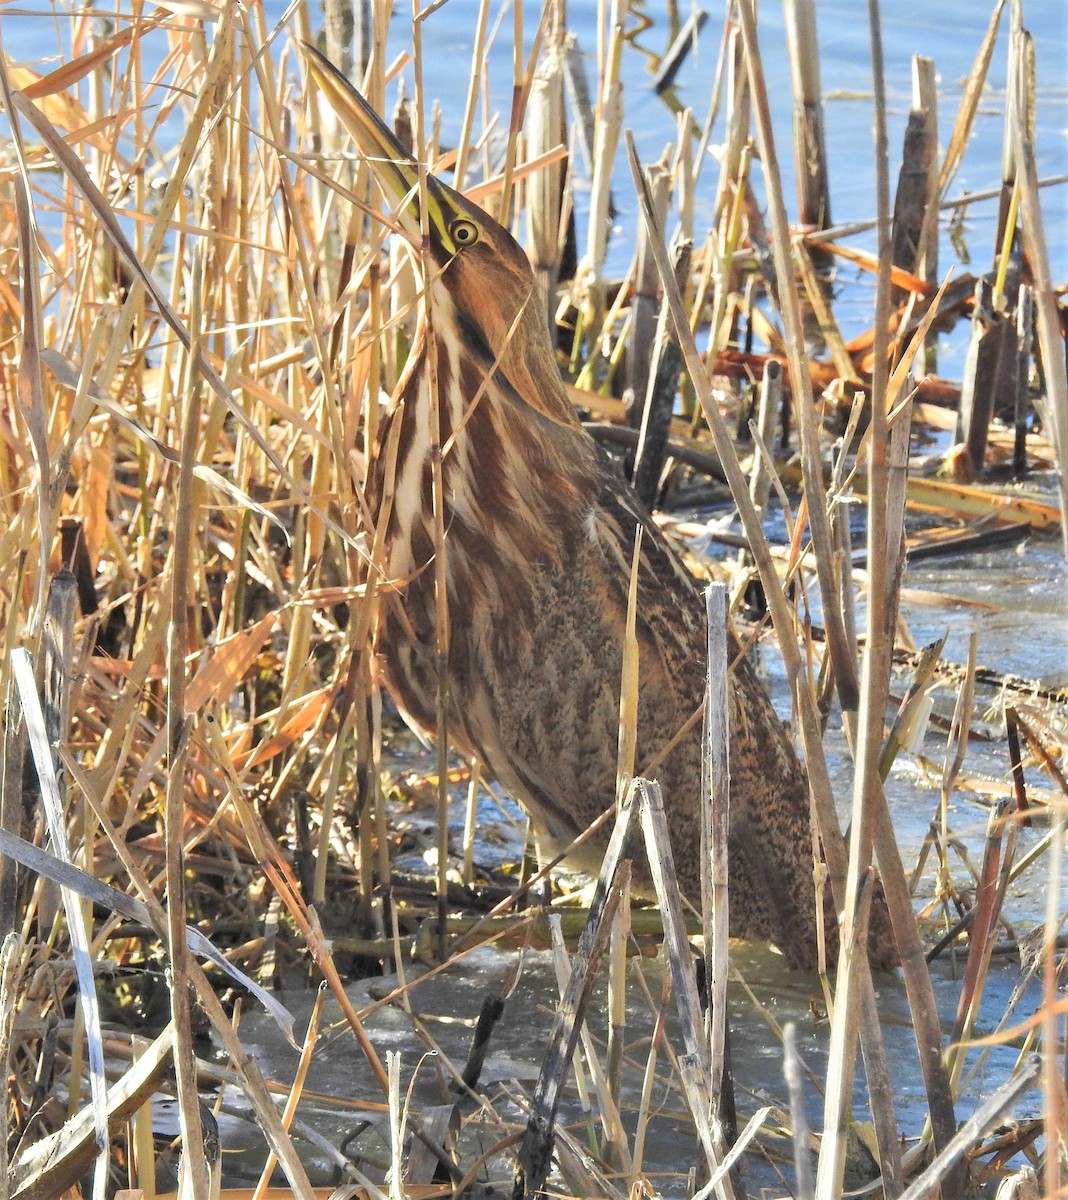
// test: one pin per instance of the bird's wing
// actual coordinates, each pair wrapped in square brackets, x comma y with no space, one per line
[668,604]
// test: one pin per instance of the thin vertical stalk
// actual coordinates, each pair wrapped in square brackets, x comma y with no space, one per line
[179,724]
[810,151]
[1047,320]
[606,136]
[874,688]
[463,150]
[437,485]
[805,1187]
[715,828]
[1053,1084]
[925,100]
[841,654]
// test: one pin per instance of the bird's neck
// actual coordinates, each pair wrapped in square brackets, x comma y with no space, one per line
[519,474]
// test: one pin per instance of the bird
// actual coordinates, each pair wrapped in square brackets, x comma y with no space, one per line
[540,538]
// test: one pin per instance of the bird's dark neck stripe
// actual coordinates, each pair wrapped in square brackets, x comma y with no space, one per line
[473,339]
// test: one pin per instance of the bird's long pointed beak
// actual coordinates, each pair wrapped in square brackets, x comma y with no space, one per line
[394,168]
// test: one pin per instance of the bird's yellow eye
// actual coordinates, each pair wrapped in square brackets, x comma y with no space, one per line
[463,233]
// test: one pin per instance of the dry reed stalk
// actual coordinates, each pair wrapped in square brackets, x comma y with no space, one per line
[12,955]
[478,55]
[989,895]
[680,47]
[914,183]
[643,306]
[396,1128]
[806,1182]
[652,447]
[12,759]
[763,432]
[522,78]
[683,169]
[562,967]
[535,1153]
[1050,340]
[810,151]
[737,118]
[617,1153]
[925,101]
[841,654]
[179,727]
[695,1065]
[609,119]
[1055,1100]
[470,819]
[956,747]
[307,1052]
[715,827]
[545,194]
[648,1079]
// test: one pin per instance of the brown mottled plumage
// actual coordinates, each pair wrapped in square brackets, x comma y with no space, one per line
[538,550]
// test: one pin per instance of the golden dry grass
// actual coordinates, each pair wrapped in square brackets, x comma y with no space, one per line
[197,321]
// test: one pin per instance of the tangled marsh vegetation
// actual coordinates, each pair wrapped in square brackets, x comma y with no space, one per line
[201,308]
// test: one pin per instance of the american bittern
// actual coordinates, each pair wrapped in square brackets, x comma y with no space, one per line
[538,551]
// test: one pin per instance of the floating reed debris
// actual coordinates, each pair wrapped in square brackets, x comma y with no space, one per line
[205,796]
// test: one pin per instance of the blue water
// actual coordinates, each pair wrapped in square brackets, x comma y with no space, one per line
[949,32]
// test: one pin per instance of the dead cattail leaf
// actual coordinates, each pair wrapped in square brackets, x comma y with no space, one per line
[62,110]
[899,277]
[306,711]
[228,664]
[35,87]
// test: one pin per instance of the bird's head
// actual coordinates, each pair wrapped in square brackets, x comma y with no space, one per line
[475,262]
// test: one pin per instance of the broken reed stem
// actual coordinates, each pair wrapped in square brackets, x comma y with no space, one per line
[810,151]
[535,1153]
[793,1073]
[545,193]
[694,1066]
[925,101]
[618,937]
